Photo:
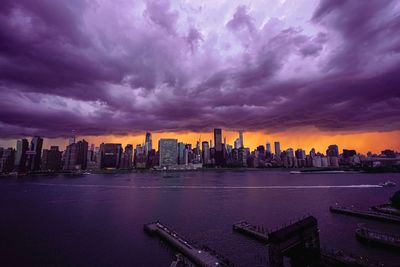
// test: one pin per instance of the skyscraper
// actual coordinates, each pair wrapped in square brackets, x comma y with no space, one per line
[237,143]
[241,138]
[148,145]
[34,154]
[277,149]
[312,152]
[83,147]
[75,156]
[205,152]
[7,159]
[197,153]
[181,153]
[332,151]
[168,149]
[127,156]
[300,153]
[20,156]
[268,147]
[140,157]
[219,153]
[110,155]
[218,139]
[332,154]
[51,159]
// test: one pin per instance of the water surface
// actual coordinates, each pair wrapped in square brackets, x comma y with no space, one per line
[97,220]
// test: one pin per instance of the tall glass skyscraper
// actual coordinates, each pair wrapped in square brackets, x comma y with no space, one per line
[219,153]
[277,149]
[35,153]
[148,144]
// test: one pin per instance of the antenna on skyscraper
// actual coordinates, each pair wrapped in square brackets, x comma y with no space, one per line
[71,138]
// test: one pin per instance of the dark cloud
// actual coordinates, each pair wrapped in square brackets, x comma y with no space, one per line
[121,67]
[159,12]
[241,20]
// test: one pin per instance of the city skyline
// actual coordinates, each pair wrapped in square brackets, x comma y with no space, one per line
[362,142]
[173,154]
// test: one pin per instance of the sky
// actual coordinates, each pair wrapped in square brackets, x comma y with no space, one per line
[305,72]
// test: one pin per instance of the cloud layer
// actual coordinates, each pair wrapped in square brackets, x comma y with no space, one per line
[115,67]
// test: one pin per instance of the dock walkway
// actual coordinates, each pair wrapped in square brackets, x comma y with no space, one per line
[251,230]
[366,214]
[200,257]
[375,237]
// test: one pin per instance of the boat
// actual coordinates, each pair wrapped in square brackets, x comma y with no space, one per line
[86,173]
[388,184]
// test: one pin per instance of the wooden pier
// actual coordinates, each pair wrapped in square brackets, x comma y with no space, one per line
[374,237]
[248,229]
[386,208]
[339,258]
[199,256]
[366,214]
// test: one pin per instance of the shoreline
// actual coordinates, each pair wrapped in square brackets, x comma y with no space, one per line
[293,171]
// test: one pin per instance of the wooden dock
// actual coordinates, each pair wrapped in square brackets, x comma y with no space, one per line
[386,208]
[253,231]
[339,258]
[199,256]
[366,214]
[374,237]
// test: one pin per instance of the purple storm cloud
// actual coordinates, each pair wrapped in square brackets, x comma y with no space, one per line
[115,67]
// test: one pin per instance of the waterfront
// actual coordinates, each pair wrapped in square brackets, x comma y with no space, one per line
[98,219]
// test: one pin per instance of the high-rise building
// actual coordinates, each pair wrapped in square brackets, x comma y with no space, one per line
[70,157]
[332,154]
[20,156]
[83,147]
[206,152]
[181,153]
[152,159]
[237,144]
[388,153]
[148,145]
[127,157]
[300,154]
[277,146]
[168,149]
[219,153]
[110,156]
[347,153]
[243,154]
[51,159]
[34,154]
[241,138]
[197,153]
[218,139]
[269,147]
[261,150]
[7,159]
[332,151]
[93,158]
[140,157]
[75,156]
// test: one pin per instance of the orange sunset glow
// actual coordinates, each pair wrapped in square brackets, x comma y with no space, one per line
[305,139]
